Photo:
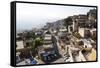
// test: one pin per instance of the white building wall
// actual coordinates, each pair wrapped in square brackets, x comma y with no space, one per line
[81,31]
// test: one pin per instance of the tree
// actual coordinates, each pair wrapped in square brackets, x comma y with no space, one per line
[80,43]
[67,22]
[37,42]
[29,35]
[32,35]
[83,51]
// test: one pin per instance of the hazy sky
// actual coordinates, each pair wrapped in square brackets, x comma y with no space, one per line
[36,15]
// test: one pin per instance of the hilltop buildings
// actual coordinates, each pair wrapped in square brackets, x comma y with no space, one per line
[57,42]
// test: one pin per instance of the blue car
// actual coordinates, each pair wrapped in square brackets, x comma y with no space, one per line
[33,61]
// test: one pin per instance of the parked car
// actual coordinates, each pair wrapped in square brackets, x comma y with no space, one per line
[33,61]
[49,57]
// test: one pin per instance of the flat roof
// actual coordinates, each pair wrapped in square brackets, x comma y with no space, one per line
[20,45]
[48,46]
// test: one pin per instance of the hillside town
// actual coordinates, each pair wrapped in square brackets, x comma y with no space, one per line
[72,39]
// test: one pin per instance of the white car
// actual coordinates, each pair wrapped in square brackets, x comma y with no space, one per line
[67,60]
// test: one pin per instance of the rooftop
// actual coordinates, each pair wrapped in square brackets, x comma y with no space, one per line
[48,46]
[20,45]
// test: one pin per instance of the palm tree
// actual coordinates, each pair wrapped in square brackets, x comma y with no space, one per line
[37,42]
